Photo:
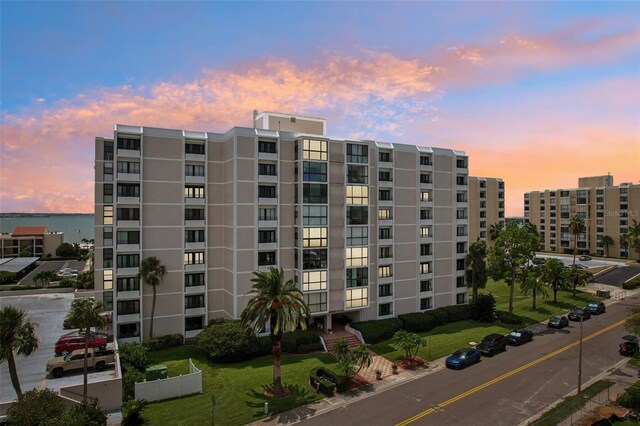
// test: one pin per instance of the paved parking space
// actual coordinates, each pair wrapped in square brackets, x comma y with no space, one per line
[593,263]
[53,265]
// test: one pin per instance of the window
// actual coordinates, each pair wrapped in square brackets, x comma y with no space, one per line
[357,194]
[107,258]
[461,163]
[357,215]
[461,248]
[357,236]
[425,196]
[107,300]
[128,213]
[314,280]
[314,259]
[314,149]
[126,331]
[194,280]
[425,285]
[132,144]
[425,178]
[564,194]
[384,176]
[384,271]
[426,303]
[128,237]
[314,237]
[357,174]
[425,249]
[267,213]
[461,197]
[108,171]
[314,215]
[107,215]
[357,277]
[194,191]
[461,180]
[193,214]
[194,301]
[384,214]
[425,214]
[384,309]
[384,157]
[132,167]
[424,232]
[384,233]
[314,172]
[107,191]
[266,191]
[460,282]
[108,150]
[461,298]
[128,190]
[384,252]
[357,256]
[357,153]
[193,170]
[425,160]
[268,236]
[317,302]
[267,169]
[194,258]
[193,323]
[128,284]
[357,297]
[266,258]
[194,148]
[461,231]
[425,267]
[194,236]
[128,260]
[128,307]
[461,214]
[460,265]
[384,195]
[107,279]
[314,193]
[267,147]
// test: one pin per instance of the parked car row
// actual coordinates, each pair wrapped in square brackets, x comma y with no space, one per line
[494,343]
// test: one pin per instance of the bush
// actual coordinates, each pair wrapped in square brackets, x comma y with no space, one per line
[292,341]
[458,312]
[7,277]
[305,348]
[632,284]
[377,330]
[441,316]
[132,412]
[66,250]
[227,341]
[418,321]
[153,344]
[133,356]
[42,405]
[507,318]
[631,398]
[67,282]
[84,414]
[263,346]
[328,380]
[130,377]
[484,310]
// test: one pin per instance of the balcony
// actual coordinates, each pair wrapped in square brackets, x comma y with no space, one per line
[385,280]
[268,201]
[267,156]
[135,177]
[195,245]
[267,179]
[385,184]
[194,201]
[194,179]
[128,247]
[195,157]
[194,223]
[128,200]
[129,317]
[128,223]
[128,271]
[268,246]
[195,311]
[194,289]
[197,267]
[133,153]
[191,333]
[133,294]
[268,223]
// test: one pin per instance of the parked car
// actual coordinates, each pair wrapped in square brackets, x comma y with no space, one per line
[492,344]
[462,358]
[578,313]
[558,322]
[584,257]
[518,337]
[67,344]
[596,308]
[539,260]
[97,359]
[100,334]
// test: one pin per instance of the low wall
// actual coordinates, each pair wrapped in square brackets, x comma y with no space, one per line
[108,392]
[171,387]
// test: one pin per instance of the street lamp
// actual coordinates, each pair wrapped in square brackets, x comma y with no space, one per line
[580,357]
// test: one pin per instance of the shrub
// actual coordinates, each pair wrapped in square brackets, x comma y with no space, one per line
[441,316]
[153,344]
[84,414]
[263,346]
[507,318]
[328,380]
[130,377]
[42,405]
[631,398]
[7,277]
[132,412]
[484,310]
[417,321]
[133,356]
[67,282]
[376,331]
[292,341]
[227,341]
[310,347]
[632,284]
[458,312]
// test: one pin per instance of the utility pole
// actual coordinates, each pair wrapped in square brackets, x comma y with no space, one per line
[580,357]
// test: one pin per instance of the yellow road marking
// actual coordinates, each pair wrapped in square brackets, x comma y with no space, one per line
[506,375]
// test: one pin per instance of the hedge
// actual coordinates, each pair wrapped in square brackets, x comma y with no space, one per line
[507,318]
[298,341]
[442,317]
[328,380]
[631,284]
[418,321]
[457,312]
[377,330]
[169,341]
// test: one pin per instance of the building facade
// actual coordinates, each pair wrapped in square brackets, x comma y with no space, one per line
[366,229]
[607,209]
[486,207]
[30,241]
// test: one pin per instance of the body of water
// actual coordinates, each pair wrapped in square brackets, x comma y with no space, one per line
[75,226]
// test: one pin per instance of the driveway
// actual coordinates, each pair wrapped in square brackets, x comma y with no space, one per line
[53,265]
[619,275]
[593,263]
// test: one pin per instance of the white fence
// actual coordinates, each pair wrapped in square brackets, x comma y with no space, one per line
[171,387]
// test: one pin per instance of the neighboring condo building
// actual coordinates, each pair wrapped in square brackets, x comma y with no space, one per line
[30,241]
[367,229]
[486,207]
[606,209]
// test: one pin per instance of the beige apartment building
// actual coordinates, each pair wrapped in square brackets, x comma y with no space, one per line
[486,207]
[606,208]
[30,241]
[367,229]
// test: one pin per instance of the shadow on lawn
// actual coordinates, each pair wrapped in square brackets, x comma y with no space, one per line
[288,410]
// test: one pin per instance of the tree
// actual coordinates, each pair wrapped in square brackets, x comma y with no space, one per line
[634,237]
[606,241]
[476,264]
[579,277]
[7,277]
[494,230]
[279,304]
[44,278]
[554,273]
[632,324]
[66,250]
[152,271]
[17,334]
[533,283]
[409,342]
[351,360]
[514,248]
[84,314]
[624,243]
[43,405]
[576,227]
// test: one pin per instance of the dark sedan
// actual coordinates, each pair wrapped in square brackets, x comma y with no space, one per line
[579,313]
[462,358]
[518,337]
[558,322]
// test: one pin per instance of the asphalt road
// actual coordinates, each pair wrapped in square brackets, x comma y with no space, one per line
[504,390]
[619,275]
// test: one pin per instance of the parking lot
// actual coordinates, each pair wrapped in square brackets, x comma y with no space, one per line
[48,311]
[53,265]
[593,263]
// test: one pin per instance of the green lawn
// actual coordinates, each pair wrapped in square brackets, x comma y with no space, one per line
[238,388]
[445,339]
[571,404]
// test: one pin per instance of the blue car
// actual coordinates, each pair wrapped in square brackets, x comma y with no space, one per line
[463,357]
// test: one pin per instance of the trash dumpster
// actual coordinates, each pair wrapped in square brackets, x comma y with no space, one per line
[156,372]
[603,293]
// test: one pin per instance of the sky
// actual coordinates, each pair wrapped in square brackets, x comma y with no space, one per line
[537,93]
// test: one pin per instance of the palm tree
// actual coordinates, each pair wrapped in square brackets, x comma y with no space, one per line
[580,277]
[476,264]
[533,283]
[152,271]
[576,227]
[624,243]
[281,305]
[494,230]
[84,314]
[554,273]
[409,342]
[634,236]
[351,360]
[17,334]
[606,241]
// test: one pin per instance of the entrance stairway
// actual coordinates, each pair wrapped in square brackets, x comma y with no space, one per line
[330,339]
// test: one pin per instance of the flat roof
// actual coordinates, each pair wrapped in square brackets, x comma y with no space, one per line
[16,264]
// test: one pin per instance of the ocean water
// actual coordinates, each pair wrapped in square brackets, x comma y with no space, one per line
[75,226]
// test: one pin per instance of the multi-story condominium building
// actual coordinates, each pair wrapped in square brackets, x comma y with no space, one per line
[366,229]
[486,207]
[30,241]
[606,209]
